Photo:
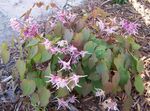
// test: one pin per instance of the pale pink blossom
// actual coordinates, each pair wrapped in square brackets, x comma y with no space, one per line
[52,24]
[110,105]
[71,16]
[111,30]
[129,27]
[62,103]
[31,30]
[100,93]
[72,99]
[66,16]
[83,53]
[58,82]
[15,24]
[62,43]
[55,50]
[65,65]
[74,79]
[47,44]
[61,15]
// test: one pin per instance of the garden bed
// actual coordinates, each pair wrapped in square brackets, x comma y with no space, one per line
[10,89]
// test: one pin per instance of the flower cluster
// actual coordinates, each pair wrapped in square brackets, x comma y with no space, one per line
[65,103]
[130,27]
[29,28]
[15,24]
[110,105]
[66,16]
[63,47]
[68,82]
[100,93]
[107,28]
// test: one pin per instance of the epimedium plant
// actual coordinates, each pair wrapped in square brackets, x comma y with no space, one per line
[73,58]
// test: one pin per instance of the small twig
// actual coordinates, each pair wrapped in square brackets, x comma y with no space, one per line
[7,79]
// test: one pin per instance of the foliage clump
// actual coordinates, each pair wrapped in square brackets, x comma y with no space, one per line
[80,54]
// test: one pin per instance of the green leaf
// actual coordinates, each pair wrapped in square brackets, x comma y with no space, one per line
[119,61]
[33,42]
[5,54]
[90,46]
[33,51]
[45,56]
[138,83]
[68,35]
[28,87]
[86,34]
[140,66]
[44,95]
[21,67]
[39,82]
[108,58]
[92,61]
[58,30]
[124,76]
[100,51]
[101,68]
[37,58]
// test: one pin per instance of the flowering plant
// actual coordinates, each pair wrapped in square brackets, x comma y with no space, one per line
[72,57]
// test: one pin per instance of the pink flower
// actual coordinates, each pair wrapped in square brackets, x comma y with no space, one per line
[47,44]
[72,99]
[66,16]
[129,27]
[100,93]
[71,16]
[52,24]
[111,30]
[72,50]
[75,80]
[31,30]
[110,105]
[58,82]
[62,103]
[83,53]
[62,43]
[15,24]
[61,15]
[65,65]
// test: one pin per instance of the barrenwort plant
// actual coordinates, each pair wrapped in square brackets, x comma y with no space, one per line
[76,55]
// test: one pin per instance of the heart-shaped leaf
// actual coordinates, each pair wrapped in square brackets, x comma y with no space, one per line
[68,35]
[28,87]
[45,56]
[90,46]
[21,67]
[5,54]
[33,42]
[33,51]
[138,83]
[44,95]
